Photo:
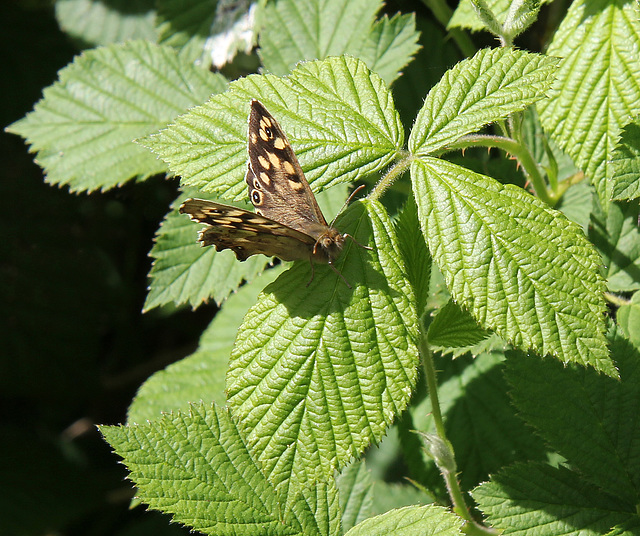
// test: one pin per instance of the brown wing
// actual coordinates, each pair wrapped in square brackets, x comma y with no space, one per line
[277,186]
[246,233]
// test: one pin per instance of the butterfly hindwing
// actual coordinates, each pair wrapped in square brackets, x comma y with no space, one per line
[246,233]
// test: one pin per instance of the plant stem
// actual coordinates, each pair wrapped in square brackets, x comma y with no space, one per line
[616,300]
[391,176]
[524,157]
[442,450]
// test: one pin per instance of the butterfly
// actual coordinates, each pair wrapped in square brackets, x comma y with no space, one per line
[287,222]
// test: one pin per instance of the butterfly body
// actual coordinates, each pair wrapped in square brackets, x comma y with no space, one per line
[287,222]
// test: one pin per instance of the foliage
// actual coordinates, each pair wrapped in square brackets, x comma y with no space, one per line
[477,294]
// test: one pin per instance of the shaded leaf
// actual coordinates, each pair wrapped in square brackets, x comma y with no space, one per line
[537,498]
[200,376]
[480,420]
[454,327]
[102,22]
[356,494]
[626,163]
[602,414]
[616,235]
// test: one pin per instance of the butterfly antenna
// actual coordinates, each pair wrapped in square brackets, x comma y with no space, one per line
[346,203]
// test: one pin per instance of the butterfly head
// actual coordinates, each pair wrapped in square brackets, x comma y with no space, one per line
[328,246]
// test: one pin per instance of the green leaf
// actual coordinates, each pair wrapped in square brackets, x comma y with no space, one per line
[356,494]
[83,128]
[185,25]
[338,115]
[465,15]
[601,412]
[101,22]
[539,499]
[628,317]
[626,163]
[454,327]
[630,527]
[185,272]
[598,85]
[200,376]
[522,269]
[576,204]
[394,495]
[320,371]
[409,521]
[415,253]
[616,235]
[197,468]
[480,420]
[296,30]
[489,86]
[390,45]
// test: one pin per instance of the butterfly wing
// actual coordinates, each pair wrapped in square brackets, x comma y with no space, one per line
[278,188]
[247,233]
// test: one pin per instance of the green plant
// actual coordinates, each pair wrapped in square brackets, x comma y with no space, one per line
[318,372]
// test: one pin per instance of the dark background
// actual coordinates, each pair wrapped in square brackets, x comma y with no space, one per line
[75,345]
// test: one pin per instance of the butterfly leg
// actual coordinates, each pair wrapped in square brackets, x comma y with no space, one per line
[313,271]
[339,273]
[357,243]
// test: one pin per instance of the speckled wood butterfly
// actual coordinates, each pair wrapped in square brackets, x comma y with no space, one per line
[287,222]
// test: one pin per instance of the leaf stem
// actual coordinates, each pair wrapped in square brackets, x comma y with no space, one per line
[391,176]
[616,300]
[520,151]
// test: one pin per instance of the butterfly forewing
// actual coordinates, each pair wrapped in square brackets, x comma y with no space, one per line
[277,186]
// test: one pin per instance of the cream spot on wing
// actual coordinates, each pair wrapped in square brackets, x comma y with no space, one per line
[264,177]
[254,138]
[288,167]
[265,122]
[263,135]
[295,185]
[274,160]
[278,143]
[264,162]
